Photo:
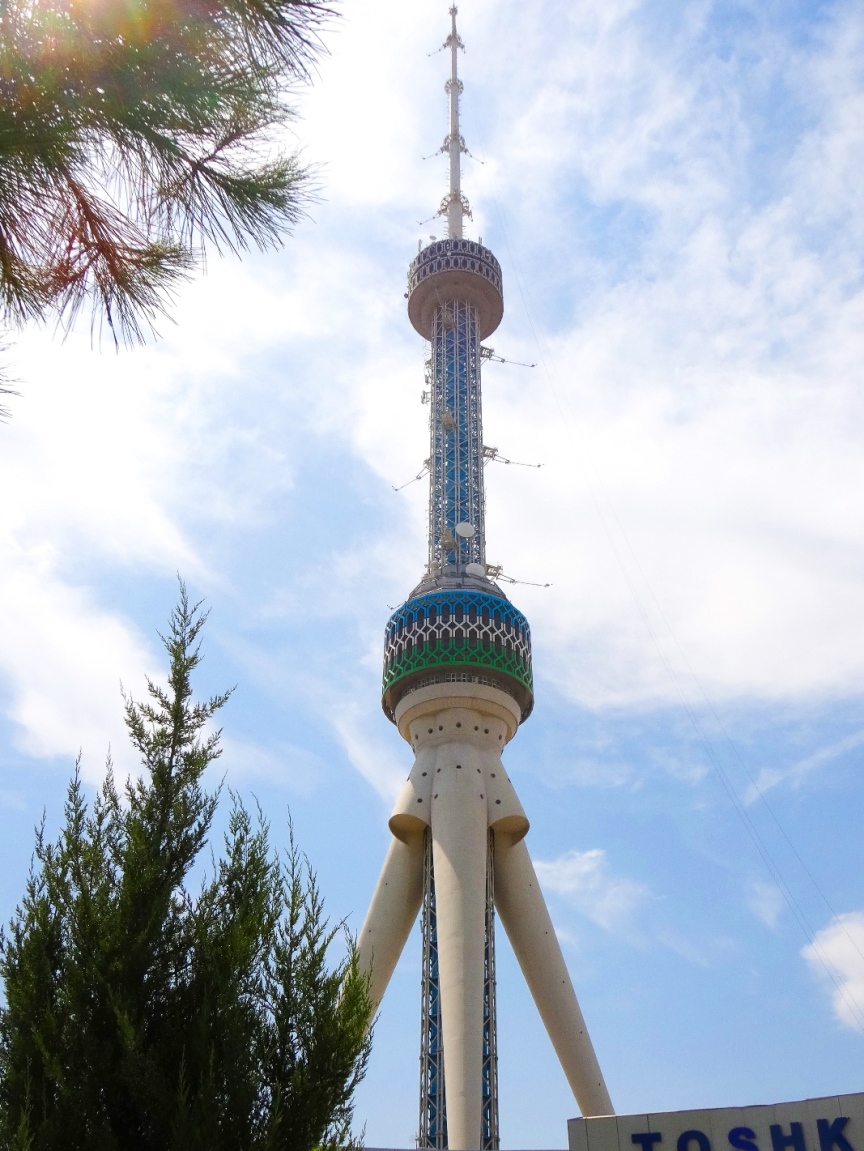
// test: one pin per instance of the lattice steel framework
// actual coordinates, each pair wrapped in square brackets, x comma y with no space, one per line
[433,1101]
[433,1106]
[489,1128]
[456,456]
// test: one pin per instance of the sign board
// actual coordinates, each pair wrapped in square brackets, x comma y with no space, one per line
[834,1123]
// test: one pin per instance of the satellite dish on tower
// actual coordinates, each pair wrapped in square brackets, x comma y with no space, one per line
[465,530]
[475,570]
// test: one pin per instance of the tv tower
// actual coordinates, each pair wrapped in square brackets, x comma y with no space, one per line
[457,684]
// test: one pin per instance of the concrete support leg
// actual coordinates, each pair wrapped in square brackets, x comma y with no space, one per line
[392,912]
[459,846]
[523,912]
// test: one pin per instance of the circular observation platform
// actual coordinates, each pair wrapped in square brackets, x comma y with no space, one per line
[459,635]
[455,270]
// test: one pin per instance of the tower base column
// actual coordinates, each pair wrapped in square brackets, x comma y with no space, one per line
[391,914]
[522,909]
[459,852]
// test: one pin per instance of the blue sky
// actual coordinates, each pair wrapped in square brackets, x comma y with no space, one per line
[674,192]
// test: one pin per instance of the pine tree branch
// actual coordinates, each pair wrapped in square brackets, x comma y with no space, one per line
[132,139]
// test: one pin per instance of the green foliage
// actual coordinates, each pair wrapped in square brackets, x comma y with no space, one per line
[134,132]
[139,1017]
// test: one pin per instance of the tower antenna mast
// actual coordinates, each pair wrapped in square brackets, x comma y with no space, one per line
[454,206]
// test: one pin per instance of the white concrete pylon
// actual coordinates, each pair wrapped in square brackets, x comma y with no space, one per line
[393,910]
[459,853]
[459,789]
[523,912]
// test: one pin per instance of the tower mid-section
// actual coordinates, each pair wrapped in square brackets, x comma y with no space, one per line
[458,626]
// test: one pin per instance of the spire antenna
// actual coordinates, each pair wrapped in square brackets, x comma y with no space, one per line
[454,205]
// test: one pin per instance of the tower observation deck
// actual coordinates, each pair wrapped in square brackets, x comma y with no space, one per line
[458,683]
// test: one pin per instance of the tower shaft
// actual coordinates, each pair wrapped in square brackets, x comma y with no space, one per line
[457,683]
[456,433]
[433,1099]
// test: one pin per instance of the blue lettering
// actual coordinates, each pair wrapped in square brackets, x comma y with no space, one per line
[831,1135]
[646,1138]
[795,1139]
[702,1141]
[742,1139]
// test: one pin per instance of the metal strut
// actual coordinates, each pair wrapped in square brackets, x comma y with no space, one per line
[489,1128]
[433,1105]
[433,1101]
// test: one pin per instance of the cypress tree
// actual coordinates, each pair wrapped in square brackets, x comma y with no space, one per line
[143,1016]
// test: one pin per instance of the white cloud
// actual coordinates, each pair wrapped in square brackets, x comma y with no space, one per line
[766,902]
[295,768]
[90,454]
[368,750]
[840,948]
[89,466]
[583,878]
[63,658]
[798,771]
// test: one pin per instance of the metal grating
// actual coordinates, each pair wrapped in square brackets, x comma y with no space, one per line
[433,1100]
[456,458]
[489,1127]
[433,1106]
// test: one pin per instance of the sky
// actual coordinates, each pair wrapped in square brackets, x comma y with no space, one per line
[674,193]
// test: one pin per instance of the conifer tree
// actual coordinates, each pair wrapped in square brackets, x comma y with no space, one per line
[143,1016]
